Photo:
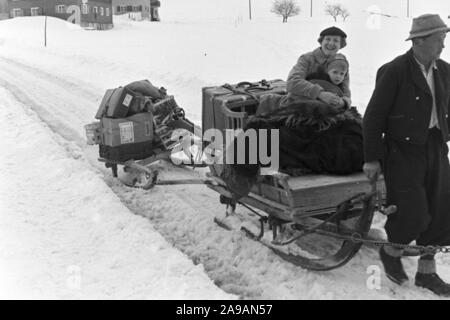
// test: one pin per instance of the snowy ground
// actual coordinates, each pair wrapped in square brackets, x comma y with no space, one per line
[69,230]
[65,234]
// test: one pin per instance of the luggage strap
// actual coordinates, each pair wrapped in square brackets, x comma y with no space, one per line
[263,85]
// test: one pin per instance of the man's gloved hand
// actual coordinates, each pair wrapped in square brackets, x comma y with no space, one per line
[372,170]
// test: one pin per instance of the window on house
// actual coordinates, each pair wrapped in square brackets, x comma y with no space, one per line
[35,11]
[121,9]
[102,11]
[95,10]
[60,8]
[85,9]
[16,12]
[107,12]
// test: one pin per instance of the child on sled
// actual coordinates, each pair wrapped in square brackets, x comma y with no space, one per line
[331,79]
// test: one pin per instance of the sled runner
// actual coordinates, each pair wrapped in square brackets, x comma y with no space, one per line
[145,177]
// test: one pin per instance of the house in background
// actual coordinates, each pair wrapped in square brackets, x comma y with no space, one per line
[4,12]
[137,9]
[154,10]
[95,14]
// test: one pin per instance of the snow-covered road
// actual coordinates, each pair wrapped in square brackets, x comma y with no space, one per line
[65,234]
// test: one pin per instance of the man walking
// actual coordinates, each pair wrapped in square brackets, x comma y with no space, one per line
[405,128]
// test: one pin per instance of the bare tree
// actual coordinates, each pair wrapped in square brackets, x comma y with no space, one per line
[285,8]
[333,10]
[336,10]
[344,13]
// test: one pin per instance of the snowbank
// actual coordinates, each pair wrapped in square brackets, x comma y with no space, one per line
[65,234]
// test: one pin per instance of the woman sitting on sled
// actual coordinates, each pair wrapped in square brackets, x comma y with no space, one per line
[318,130]
[298,84]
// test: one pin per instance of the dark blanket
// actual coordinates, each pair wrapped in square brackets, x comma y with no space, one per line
[313,138]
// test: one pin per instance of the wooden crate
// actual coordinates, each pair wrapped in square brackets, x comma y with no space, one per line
[312,193]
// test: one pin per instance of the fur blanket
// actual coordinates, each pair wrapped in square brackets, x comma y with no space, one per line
[313,138]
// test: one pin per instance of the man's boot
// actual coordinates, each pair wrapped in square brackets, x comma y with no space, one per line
[426,277]
[434,283]
[393,266]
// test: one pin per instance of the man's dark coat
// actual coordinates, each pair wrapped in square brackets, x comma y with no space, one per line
[415,163]
[401,104]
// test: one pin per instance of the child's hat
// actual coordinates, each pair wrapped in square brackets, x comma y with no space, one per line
[337,61]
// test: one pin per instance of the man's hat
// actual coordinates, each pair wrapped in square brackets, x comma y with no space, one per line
[333,31]
[427,24]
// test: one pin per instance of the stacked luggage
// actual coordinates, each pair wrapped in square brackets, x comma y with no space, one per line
[134,120]
[228,106]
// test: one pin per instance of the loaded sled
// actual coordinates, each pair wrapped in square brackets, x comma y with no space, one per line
[314,221]
[137,128]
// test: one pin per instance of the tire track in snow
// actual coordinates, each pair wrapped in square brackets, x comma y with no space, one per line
[77,85]
[62,105]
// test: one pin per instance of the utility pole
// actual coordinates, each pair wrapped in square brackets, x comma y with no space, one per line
[250,9]
[407,8]
[311,7]
[45,26]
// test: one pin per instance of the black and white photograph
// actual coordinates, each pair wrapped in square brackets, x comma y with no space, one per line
[224,150]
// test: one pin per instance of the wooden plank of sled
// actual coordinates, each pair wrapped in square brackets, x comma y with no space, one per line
[269,202]
[164,155]
[286,212]
[314,181]
[270,207]
[328,195]
[275,187]
[313,192]
[320,191]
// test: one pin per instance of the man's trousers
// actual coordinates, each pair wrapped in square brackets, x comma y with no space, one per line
[418,182]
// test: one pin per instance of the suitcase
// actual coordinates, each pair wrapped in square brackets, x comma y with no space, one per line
[228,106]
[125,152]
[134,129]
[127,138]
[116,103]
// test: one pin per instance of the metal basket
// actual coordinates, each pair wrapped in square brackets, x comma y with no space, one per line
[93,133]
